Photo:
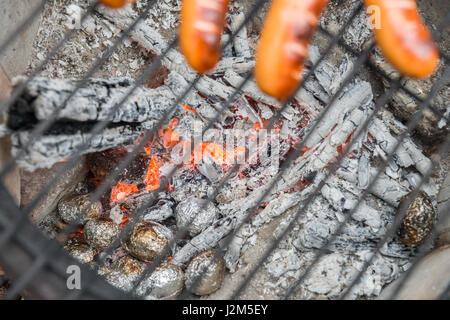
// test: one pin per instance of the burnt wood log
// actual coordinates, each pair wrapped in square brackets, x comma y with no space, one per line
[93,103]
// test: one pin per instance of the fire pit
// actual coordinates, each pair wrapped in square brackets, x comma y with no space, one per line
[162,184]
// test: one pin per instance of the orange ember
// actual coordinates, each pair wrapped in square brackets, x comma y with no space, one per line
[124,221]
[188,108]
[121,191]
[152,176]
[341,148]
[96,181]
[168,136]
[77,234]
[257,126]
[216,151]
[299,185]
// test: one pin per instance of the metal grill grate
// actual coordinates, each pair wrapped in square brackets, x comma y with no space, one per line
[39,265]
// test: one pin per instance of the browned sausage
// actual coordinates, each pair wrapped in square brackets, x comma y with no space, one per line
[403,37]
[202,24]
[115,3]
[283,47]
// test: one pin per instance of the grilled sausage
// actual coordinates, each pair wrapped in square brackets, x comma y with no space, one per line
[202,24]
[115,3]
[283,47]
[403,37]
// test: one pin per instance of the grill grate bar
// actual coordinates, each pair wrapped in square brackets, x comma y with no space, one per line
[153,266]
[411,125]
[393,229]
[146,138]
[413,122]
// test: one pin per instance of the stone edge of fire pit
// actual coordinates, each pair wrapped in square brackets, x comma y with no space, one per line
[12,180]
[31,186]
[13,62]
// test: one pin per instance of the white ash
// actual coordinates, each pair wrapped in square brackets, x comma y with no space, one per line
[86,45]
[338,197]
[165,14]
[116,214]
[188,183]
[159,213]
[48,150]
[210,169]
[240,42]
[338,13]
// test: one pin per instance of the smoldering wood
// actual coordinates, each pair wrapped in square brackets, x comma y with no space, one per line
[42,98]
[206,240]
[90,104]
[49,149]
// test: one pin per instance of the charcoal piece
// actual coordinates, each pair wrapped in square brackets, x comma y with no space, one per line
[104,163]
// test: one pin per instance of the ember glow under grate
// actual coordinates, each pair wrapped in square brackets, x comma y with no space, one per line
[186,178]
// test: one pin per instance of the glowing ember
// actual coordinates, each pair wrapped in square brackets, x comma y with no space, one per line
[341,148]
[77,234]
[217,152]
[152,177]
[257,126]
[188,108]
[126,216]
[121,191]
[124,221]
[168,136]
